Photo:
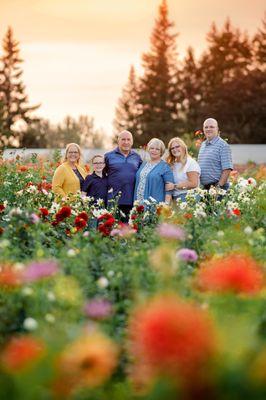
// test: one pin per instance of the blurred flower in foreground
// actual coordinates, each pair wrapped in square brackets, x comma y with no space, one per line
[170,231]
[30,324]
[238,273]
[40,269]
[9,276]
[123,230]
[98,309]
[187,255]
[66,289]
[21,352]
[170,338]
[88,362]
[163,260]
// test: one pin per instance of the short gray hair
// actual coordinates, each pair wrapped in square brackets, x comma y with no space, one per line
[158,142]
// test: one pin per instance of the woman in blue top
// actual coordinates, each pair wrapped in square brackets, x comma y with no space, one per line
[152,176]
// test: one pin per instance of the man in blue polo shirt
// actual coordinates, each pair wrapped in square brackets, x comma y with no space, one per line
[215,158]
[121,166]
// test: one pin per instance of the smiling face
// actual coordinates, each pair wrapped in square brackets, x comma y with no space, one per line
[73,154]
[125,142]
[177,150]
[210,128]
[154,151]
[98,164]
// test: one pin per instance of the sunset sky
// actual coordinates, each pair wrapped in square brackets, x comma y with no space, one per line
[77,53]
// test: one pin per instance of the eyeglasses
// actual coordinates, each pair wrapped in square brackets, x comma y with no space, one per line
[175,147]
[98,163]
[73,152]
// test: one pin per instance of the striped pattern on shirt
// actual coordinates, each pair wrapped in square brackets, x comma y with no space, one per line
[214,157]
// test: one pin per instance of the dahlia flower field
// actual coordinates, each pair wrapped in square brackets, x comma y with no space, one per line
[169,306]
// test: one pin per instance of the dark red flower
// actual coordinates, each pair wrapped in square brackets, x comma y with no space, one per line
[80,223]
[43,212]
[105,216]
[135,226]
[54,223]
[109,222]
[83,215]
[105,231]
[140,209]
[1,230]
[63,213]
[133,217]
[2,208]
[44,185]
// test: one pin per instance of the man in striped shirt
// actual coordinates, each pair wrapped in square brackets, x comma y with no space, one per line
[215,157]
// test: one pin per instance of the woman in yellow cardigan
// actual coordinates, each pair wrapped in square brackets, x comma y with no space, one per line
[69,176]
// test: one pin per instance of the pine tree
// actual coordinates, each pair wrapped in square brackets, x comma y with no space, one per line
[224,68]
[158,95]
[228,55]
[12,91]
[127,110]
[259,43]
[191,84]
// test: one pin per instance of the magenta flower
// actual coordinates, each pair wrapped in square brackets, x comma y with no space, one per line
[187,255]
[170,231]
[98,309]
[40,269]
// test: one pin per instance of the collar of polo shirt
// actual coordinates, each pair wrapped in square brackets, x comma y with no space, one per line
[214,140]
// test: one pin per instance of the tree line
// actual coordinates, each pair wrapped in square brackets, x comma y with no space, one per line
[173,97]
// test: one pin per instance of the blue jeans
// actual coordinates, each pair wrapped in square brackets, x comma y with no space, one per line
[181,196]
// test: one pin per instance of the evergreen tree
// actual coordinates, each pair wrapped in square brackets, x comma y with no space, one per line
[257,88]
[259,43]
[158,95]
[224,68]
[12,91]
[127,110]
[191,86]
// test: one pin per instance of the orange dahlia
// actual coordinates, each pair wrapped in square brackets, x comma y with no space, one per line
[21,352]
[88,362]
[170,337]
[236,273]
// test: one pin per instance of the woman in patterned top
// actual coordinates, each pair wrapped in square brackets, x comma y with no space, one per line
[152,176]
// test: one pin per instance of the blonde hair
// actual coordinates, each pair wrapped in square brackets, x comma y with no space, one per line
[67,150]
[96,155]
[171,159]
[159,142]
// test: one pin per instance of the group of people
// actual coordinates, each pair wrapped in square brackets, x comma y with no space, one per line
[122,172]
